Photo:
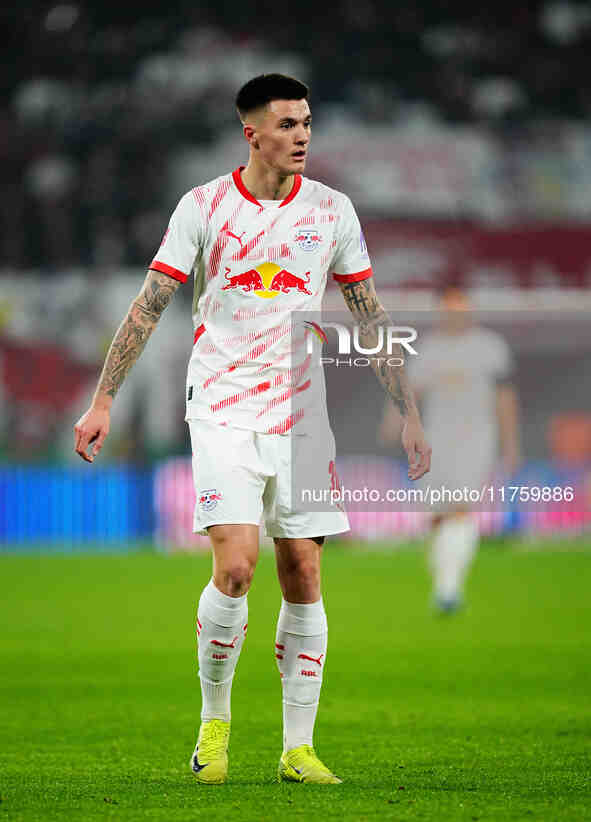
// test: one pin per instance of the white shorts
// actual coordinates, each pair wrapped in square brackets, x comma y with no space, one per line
[243,476]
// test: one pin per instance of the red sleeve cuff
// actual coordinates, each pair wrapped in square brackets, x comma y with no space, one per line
[353,278]
[168,269]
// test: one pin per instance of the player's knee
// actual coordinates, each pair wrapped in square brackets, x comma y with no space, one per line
[236,577]
[306,569]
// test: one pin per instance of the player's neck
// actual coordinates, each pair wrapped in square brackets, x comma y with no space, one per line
[266,183]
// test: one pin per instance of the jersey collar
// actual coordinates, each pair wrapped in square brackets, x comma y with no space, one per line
[237,177]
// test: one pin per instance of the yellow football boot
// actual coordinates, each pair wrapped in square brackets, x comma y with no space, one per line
[209,762]
[302,765]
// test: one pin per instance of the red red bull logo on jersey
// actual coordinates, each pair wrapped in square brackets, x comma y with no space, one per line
[308,239]
[247,280]
[267,281]
[209,498]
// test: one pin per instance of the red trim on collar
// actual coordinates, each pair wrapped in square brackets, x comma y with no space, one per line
[297,184]
[237,177]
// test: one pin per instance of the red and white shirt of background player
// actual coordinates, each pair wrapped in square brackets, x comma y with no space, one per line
[254,264]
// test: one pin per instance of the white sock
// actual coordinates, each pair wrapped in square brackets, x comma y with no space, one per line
[221,627]
[454,546]
[300,650]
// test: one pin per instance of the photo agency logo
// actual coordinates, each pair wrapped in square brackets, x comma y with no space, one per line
[387,349]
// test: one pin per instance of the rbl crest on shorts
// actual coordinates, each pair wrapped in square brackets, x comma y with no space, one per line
[209,498]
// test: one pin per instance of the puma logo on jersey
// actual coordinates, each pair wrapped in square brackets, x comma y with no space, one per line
[235,236]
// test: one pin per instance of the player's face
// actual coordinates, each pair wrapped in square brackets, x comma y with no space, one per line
[455,312]
[282,134]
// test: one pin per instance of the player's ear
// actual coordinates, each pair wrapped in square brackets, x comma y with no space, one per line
[250,134]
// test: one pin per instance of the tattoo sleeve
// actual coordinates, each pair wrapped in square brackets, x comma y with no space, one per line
[133,333]
[362,300]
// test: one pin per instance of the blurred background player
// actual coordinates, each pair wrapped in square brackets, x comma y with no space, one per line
[463,379]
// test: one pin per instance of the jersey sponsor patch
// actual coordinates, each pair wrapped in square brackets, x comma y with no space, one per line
[308,239]
[209,498]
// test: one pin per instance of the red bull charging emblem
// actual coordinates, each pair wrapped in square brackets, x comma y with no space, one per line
[267,280]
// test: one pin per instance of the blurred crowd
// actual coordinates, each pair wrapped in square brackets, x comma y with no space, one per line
[103,103]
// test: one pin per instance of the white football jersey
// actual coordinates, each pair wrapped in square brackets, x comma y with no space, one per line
[254,264]
[457,375]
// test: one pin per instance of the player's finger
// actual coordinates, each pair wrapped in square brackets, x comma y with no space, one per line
[424,463]
[82,446]
[98,441]
[413,458]
[78,436]
[86,457]
[412,455]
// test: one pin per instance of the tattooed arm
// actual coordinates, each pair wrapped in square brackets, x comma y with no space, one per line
[128,343]
[363,302]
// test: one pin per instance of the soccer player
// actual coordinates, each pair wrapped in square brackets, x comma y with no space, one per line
[463,376]
[261,242]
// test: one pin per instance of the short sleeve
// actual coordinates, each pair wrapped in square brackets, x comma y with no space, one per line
[351,262]
[182,241]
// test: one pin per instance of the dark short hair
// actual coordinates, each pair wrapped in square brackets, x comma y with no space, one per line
[266,87]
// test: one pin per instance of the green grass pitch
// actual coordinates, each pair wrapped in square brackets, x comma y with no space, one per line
[482,716]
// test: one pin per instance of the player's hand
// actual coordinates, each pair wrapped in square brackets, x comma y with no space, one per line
[92,427]
[417,448]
